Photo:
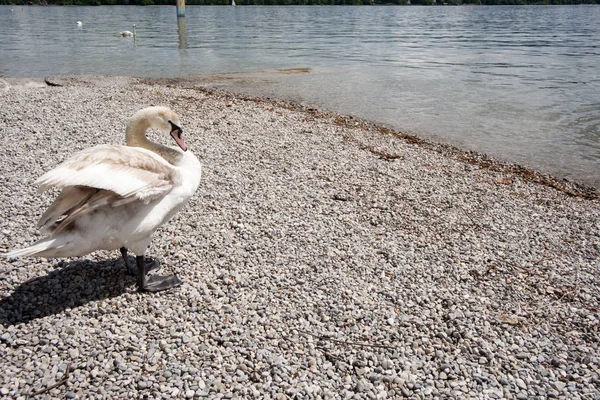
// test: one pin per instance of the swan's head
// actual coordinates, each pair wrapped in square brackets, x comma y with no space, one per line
[79,23]
[165,120]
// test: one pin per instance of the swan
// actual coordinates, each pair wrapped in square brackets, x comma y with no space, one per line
[115,196]
[128,33]
[79,24]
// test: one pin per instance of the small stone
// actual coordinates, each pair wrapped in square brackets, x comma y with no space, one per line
[559,385]
[361,386]
[521,384]
[73,352]
[555,362]
[189,394]
[70,395]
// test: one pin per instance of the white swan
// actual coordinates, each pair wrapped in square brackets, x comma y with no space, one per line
[79,24]
[128,33]
[115,197]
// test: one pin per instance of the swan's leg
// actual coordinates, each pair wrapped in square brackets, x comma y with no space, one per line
[153,283]
[128,265]
[152,265]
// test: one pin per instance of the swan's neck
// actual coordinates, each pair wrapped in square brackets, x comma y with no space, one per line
[135,136]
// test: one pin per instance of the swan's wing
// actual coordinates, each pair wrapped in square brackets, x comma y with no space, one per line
[69,199]
[100,198]
[76,201]
[102,176]
[126,171]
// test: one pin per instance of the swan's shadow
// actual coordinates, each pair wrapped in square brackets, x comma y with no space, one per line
[69,285]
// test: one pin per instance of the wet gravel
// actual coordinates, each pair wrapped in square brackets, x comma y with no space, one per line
[321,258]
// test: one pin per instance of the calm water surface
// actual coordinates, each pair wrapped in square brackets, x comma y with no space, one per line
[520,83]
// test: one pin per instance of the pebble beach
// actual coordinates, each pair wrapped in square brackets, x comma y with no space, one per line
[323,257]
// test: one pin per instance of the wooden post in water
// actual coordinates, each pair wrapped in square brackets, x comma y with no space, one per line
[180,8]
[181,33]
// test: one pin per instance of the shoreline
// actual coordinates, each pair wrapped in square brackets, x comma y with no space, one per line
[572,187]
[323,256]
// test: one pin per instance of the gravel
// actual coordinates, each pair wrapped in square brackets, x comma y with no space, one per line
[322,257]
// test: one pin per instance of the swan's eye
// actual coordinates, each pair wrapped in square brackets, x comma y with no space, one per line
[175,127]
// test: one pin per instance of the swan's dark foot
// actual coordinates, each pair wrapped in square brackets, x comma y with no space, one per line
[157,283]
[151,264]
[153,283]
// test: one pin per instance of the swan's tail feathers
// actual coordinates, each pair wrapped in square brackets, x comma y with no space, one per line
[43,248]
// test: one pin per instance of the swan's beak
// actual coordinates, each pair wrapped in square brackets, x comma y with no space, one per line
[177,134]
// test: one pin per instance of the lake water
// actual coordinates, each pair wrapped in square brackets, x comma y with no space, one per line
[520,83]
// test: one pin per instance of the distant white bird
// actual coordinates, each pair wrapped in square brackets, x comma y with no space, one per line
[79,24]
[128,33]
[116,197]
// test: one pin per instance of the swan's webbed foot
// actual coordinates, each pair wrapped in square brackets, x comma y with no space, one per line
[153,283]
[157,283]
[151,264]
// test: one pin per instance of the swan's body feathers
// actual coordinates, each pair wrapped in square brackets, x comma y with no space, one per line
[128,33]
[37,248]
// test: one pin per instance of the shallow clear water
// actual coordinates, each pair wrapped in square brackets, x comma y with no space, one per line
[521,83]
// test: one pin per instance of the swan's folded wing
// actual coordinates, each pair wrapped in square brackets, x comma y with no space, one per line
[126,171]
[69,199]
[102,198]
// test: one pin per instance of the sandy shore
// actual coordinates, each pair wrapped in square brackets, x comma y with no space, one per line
[322,257]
